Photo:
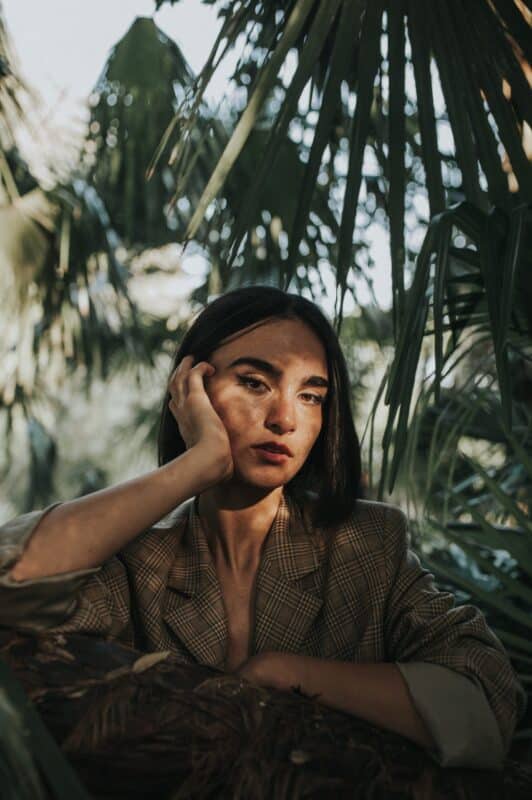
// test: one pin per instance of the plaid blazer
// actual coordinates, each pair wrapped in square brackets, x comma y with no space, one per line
[358,594]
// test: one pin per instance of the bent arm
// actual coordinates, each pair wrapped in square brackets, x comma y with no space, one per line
[375,692]
[84,533]
[445,714]
[424,630]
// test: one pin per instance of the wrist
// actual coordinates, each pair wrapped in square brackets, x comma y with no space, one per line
[212,469]
[282,670]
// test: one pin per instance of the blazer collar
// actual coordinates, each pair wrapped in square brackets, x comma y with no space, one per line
[283,611]
[289,550]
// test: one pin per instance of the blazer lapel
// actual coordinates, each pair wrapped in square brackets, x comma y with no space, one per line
[195,610]
[284,610]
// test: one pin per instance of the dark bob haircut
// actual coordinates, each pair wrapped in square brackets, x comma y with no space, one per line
[330,476]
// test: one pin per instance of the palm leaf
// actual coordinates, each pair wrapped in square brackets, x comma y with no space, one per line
[420,39]
[35,765]
[515,25]
[133,104]
[329,111]
[14,93]
[484,510]
[495,236]
[316,39]
[367,69]
[490,77]
[396,145]
[268,77]
[472,83]
[511,48]
[456,34]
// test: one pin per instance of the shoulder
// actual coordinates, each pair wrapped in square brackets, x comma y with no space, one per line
[374,534]
[373,519]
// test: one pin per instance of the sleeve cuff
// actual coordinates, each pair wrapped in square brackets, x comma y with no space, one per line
[39,603]
[457,713]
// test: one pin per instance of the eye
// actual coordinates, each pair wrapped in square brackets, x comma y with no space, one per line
[251,383]
[317,399]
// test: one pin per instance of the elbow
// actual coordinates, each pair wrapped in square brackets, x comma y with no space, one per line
[465,730]
[19,572]
[466,753]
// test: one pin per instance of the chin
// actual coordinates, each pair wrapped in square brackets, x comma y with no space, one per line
[263,478]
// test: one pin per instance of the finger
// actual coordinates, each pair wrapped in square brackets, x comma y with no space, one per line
[176,384]
[184,364]
[178,367]
[197,374]
[200,368]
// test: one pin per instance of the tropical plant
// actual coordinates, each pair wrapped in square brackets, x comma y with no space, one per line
[482,288]
[362,48]
[136,111]
[470,481]
[368,51]
[132,105]
[63,287]
[31,764]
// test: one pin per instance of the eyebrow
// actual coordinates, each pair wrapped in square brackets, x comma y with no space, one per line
[265,366]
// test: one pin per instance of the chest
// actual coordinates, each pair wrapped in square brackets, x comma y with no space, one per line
[238,596]
[332,609]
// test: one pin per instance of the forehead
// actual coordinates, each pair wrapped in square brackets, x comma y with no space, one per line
[275,340]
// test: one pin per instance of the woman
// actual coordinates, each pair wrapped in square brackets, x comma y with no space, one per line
[267,564]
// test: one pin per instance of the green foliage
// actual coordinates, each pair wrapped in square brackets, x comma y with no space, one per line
[483,286]
[63,288]
[31,765]
[343,42]
[263,252]
[133,103]
[469,478]
[12,92]
[145,81]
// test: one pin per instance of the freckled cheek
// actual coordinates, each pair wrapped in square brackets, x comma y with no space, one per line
[238,414]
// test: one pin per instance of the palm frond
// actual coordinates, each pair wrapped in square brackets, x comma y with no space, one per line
[501,254]
[470,481]
[13,91]
[484,91]
[143,81]
[31,763]
[268,78]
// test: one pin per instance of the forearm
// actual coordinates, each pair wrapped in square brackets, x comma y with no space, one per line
[83,533]
[375,692]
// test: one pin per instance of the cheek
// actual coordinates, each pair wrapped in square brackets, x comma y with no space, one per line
[235,411]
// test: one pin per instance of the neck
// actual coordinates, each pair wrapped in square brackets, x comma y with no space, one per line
[236,524]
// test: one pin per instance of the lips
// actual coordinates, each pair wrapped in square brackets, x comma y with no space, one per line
[274,447]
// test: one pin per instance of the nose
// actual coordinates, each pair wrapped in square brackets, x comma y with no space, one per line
[281,416]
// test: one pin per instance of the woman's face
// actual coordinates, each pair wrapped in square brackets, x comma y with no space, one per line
[279,400]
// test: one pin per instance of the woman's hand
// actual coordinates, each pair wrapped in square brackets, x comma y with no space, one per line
[271,670]
[198,423]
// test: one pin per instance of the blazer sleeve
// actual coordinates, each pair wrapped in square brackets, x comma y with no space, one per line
[457,670]
[95,601]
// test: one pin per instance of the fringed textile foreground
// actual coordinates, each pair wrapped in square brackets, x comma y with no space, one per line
[137,726]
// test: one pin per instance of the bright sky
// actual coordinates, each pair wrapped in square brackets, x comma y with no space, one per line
[62,46]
